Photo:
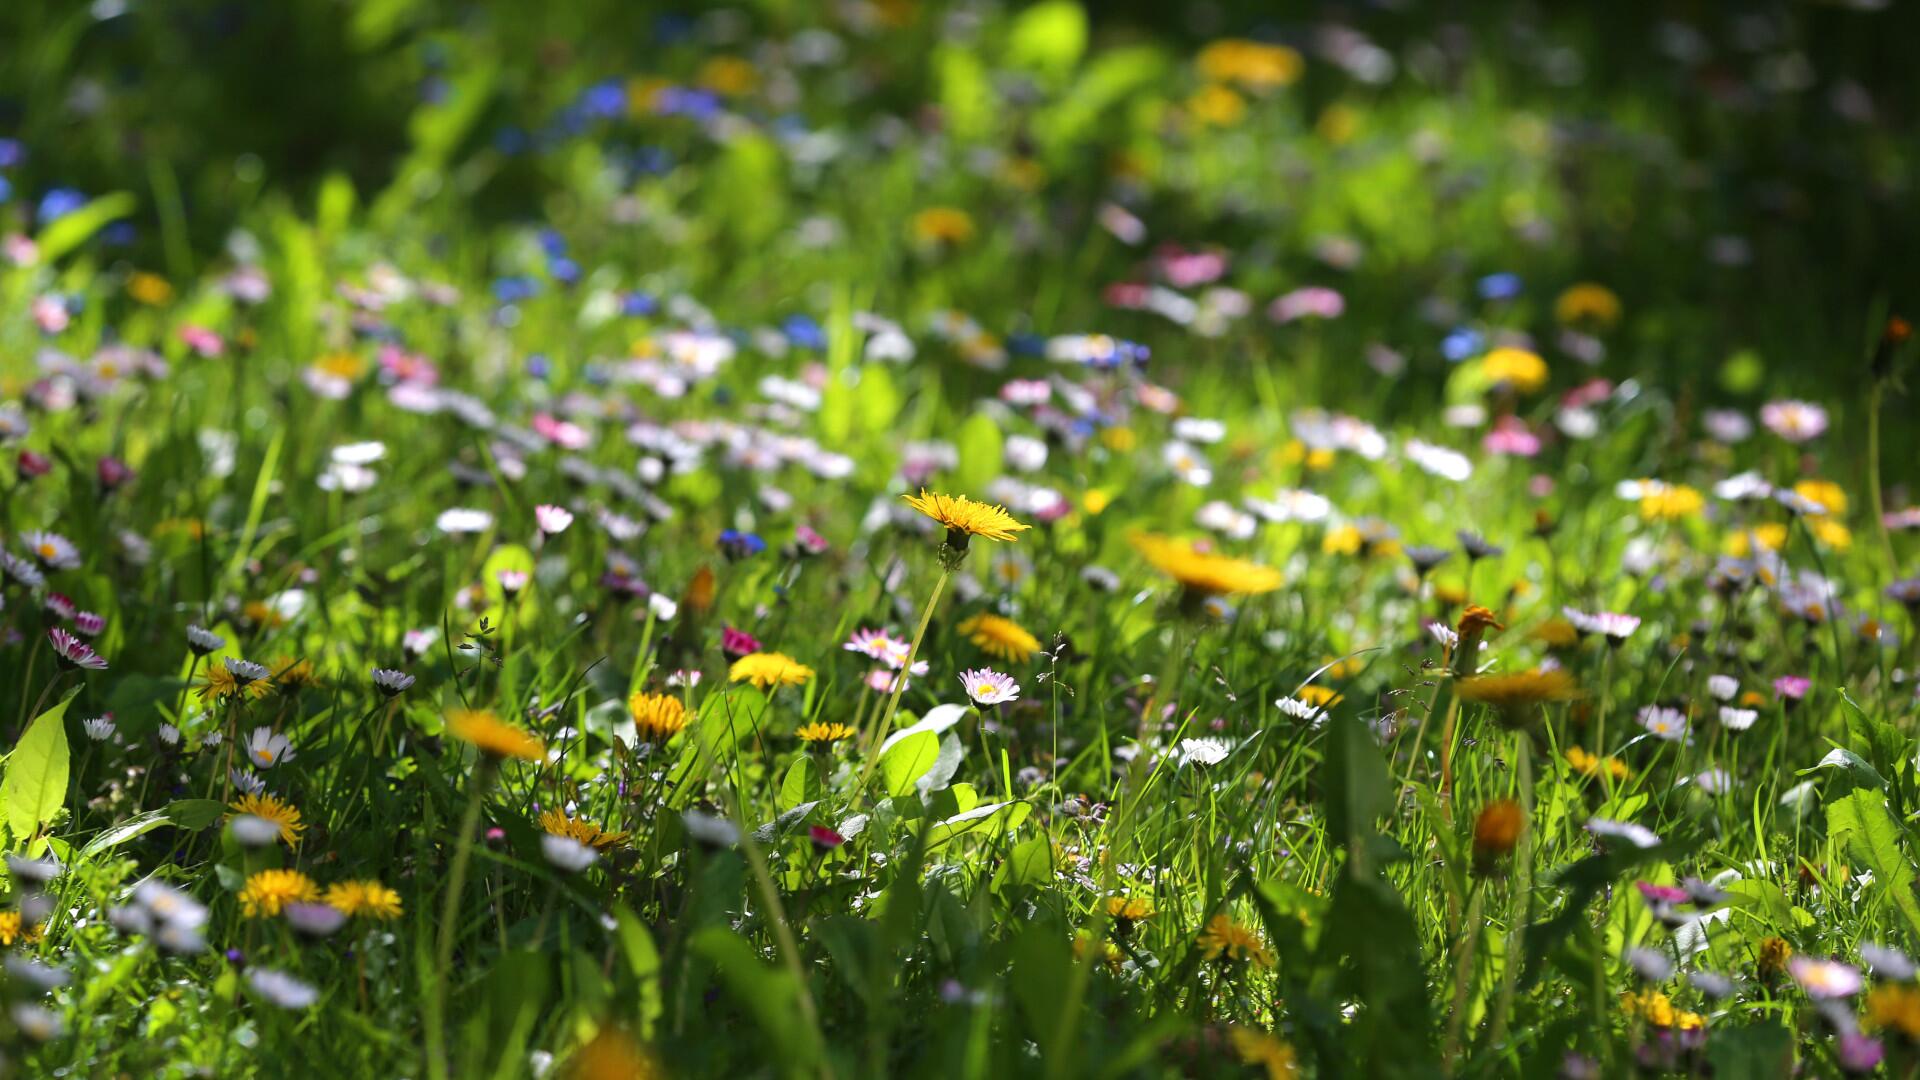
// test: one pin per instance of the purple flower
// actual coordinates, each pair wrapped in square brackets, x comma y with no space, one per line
[1859,1053]
[1792,688]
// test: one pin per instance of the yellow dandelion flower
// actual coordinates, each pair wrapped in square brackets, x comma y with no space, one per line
[1895,1007]
[149,289]
[1831,496]
[1830,532]
[1657,1009]
[1320,697]
[964,518]
[769,669]
[1768,536]
[612,1055]
[262,614]
[366,898]
[1515,696]
[943,225]
[268,892]
[1671,502]
[658,717]
[1107,951]
[823,734]
[344,366]
[1774,954]
[495,737]
[1224,939]
[13,928]
[1217,105]
[1204,572]
[291,676]
[270,808]
[1521,369]
[1129,909]
[218,684]
[1587,304]
[579,830]
[1557,634]
[1000,637]
[1259,1048]
[729,76]
[1255,65]
[1587,763]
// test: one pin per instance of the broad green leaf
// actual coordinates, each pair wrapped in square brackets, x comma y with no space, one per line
[194,813]
[1862,825]
[35,786]
[769,995]
[907,761]
[801,785]
[985,820]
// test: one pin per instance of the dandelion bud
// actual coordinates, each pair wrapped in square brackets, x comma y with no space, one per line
[1495,833]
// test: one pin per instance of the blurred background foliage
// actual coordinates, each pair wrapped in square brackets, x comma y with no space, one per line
[1644,142]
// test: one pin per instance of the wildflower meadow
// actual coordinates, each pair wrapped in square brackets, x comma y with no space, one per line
[973,539]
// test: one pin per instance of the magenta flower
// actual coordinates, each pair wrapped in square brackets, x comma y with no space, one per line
[737,643]
[1661,894]
[1510,435]
[1792,688]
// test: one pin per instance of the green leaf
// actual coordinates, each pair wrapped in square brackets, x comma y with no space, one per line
[1761,1049]
[69,231]
[801,785]
[35,786]
[1355,779]
[979,446]
[908,760]
[770,995]
[1862,825]
[1851,765]
[643,962]
[136,826]
[1048,38]
[194,813]
[986,820]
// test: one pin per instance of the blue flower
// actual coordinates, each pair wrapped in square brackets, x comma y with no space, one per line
[58,203]
[804,332]
[1501,286]
[638,303]
[1461,344]
[736,545]
[512,290]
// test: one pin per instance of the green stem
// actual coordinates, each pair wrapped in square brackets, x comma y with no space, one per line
[885,721]
[449,921]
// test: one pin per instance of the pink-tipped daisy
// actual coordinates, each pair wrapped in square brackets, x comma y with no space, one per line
[74,653]
[988,687]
